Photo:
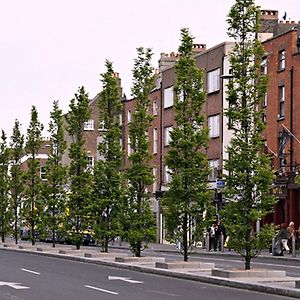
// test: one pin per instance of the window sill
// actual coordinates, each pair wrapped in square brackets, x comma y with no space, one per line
[280,70]
[280,118]
[213,92]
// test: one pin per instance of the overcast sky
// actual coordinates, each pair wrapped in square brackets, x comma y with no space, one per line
[51,47]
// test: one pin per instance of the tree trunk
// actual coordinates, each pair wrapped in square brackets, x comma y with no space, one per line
[32,234]
[185,238]
[138,249]
[105,243]
[247,262]
[53,238]
[16,227]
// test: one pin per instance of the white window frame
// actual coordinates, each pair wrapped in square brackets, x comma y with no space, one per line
[168,97]
[281,94]
[264,108]
[90,163]
[155,108]
[213,166]
[128,116]
[213,81]
[102,126]
[89,125]
[43,172]
[167,175]
[281,59]
[264,66]
[155,140]
[167,135]
[214,126]
[154,173]
[129,149]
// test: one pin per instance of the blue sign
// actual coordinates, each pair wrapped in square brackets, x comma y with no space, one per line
[220,183]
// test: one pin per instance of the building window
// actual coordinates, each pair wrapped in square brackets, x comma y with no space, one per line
[43,173]
[129,149]
[264,68]
[264,108]
[213,166]
[155,107]
[281,60]
[128,116]
[155,140]
[167,175]
[120,119]
[167,135]
[154,186]
[168,97]
[90,163]
[213,81]
[89,125]
[102,126]
[281,101]
[214,126]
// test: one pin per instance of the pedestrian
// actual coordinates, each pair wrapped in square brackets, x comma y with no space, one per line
[283,237]
[212,237]
[220,235]
[291,234]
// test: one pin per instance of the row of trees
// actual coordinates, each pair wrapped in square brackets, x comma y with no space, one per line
[72,199]
[114,201]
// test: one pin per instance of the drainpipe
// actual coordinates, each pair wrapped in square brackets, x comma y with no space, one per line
[291,118]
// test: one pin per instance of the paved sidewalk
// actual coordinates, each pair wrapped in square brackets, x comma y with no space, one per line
[120,257]
[203,251]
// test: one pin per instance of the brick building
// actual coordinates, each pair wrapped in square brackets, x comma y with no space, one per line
[282,107]
[282,116]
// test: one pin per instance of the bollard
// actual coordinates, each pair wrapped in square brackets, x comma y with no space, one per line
[273,246]
[293,246]
[222,242]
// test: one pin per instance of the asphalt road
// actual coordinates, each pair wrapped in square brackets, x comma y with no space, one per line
[32,277]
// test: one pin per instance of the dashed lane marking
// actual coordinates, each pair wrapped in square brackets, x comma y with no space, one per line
[101,290]
[30,271]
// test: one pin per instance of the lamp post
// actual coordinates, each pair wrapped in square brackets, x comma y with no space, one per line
[158,195]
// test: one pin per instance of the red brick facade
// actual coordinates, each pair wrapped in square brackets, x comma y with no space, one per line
[284,75]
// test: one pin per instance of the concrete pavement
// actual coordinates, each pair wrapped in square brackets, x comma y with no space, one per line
[119,257]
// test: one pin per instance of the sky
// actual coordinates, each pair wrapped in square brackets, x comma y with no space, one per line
[49,48]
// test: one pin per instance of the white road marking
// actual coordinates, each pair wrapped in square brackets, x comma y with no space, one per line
[32,272]
[101,290]
[14,285]
[127,279]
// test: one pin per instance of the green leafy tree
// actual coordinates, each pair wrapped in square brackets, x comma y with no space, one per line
[107,174]
[16,177]
[56,176]
[5,211]
[139,224]
[249,179]
[33,205]
[188,196]
[80,176]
